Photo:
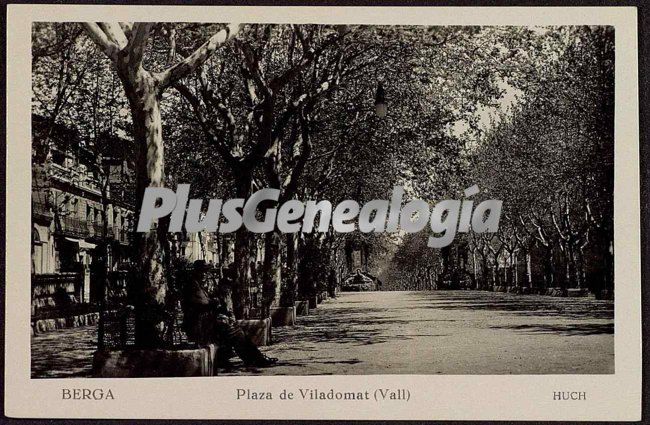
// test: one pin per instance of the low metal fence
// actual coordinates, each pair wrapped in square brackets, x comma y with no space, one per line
[117,318]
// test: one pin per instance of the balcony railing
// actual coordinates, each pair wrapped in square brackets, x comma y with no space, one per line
[41,210]
[74,177]
[71,226]
[121,234]
[85,229]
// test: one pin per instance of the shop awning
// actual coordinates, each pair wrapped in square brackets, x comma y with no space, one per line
[82,243]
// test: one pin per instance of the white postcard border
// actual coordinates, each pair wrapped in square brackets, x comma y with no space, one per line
[444,397]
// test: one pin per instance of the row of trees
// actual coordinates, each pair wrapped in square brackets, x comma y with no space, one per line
[233,108]
[550,157]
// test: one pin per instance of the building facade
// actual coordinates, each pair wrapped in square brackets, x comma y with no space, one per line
[79,200]
[83,197]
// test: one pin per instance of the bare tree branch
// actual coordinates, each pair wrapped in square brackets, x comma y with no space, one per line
[114,33]
[283,79]
[252,72]
[138,43]
[99,37]
[210,97]
[216,140]
[127,27]
[200,55]
[304,147]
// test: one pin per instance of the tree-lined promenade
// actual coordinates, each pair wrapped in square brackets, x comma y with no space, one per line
[347,112]
[441,332]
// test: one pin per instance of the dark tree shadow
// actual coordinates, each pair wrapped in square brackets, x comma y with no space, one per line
[522,305]
[565,330]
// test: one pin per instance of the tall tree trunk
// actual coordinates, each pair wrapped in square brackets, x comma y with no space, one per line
[124,44]
[609,265]
[550,268]
[580,268]
[568,266]
[241,297]
[474,268]
[151,294]
[366,255]
[486,273]
[349,259]
[272,274]
[529,271]
[289,295]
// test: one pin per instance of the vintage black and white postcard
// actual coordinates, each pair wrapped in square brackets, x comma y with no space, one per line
[323,213]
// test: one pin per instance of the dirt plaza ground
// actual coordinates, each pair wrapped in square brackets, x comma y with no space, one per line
[442,332]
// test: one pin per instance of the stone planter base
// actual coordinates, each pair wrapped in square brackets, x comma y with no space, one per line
[556,292]
[576,292]
[155,363]
[302,308]
[283,316]
[258,330]
[48,325]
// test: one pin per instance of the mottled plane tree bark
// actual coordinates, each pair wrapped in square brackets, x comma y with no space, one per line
[125,43]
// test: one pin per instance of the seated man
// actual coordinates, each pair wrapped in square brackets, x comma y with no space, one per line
[207,320]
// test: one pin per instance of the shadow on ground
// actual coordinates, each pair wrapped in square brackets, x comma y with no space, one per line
[343,334]
[564,330]
[533,305]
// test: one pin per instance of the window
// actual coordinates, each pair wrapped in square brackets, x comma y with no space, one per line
[58,157]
